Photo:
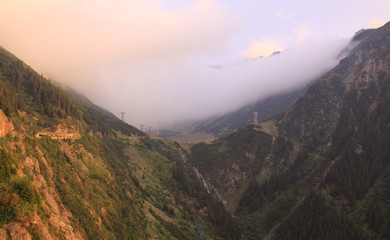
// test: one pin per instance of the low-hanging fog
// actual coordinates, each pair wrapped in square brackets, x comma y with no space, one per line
[169,60]
[152,93]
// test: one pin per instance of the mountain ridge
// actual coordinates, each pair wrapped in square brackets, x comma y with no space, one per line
[315,171]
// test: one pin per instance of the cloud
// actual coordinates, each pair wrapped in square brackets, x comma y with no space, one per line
[70,35]
[375,23]
[284,15]
[265,46]
[115,52]
[302,33]
[230,87]
[145,57]
[197,92]
[262,48]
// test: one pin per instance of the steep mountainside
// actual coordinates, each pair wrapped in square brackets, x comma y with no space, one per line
[74,171]
[321,170]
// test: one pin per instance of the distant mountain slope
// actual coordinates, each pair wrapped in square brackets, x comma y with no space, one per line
[218,126]
[321,170]
[84,100]
[71,170]
[265,109]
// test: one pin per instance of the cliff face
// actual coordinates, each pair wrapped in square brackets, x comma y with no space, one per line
[5,125]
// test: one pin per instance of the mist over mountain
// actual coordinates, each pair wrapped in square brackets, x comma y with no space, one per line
[279,120]
[260,111]
[264,105]
[72,170]
[151,60]
[320,170]
[198,92]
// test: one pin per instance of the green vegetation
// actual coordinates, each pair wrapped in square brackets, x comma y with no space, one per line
[324,174]
[231,149]
[224,224]
[113,182]
[317,218]
[18,197]
[319,171]
[22,89]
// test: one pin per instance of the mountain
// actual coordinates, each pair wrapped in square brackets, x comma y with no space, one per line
[218,126]
[71,170]
[85,101]
[264,109]
[321,169]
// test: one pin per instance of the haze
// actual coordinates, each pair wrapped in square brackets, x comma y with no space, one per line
[170,60]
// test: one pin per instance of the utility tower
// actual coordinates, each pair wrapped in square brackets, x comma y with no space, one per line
[255,118]
[122,116]
[142,127]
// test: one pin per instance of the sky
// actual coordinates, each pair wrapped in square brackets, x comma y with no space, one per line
[171,60]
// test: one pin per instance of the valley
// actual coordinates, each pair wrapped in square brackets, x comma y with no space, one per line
[318,169]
